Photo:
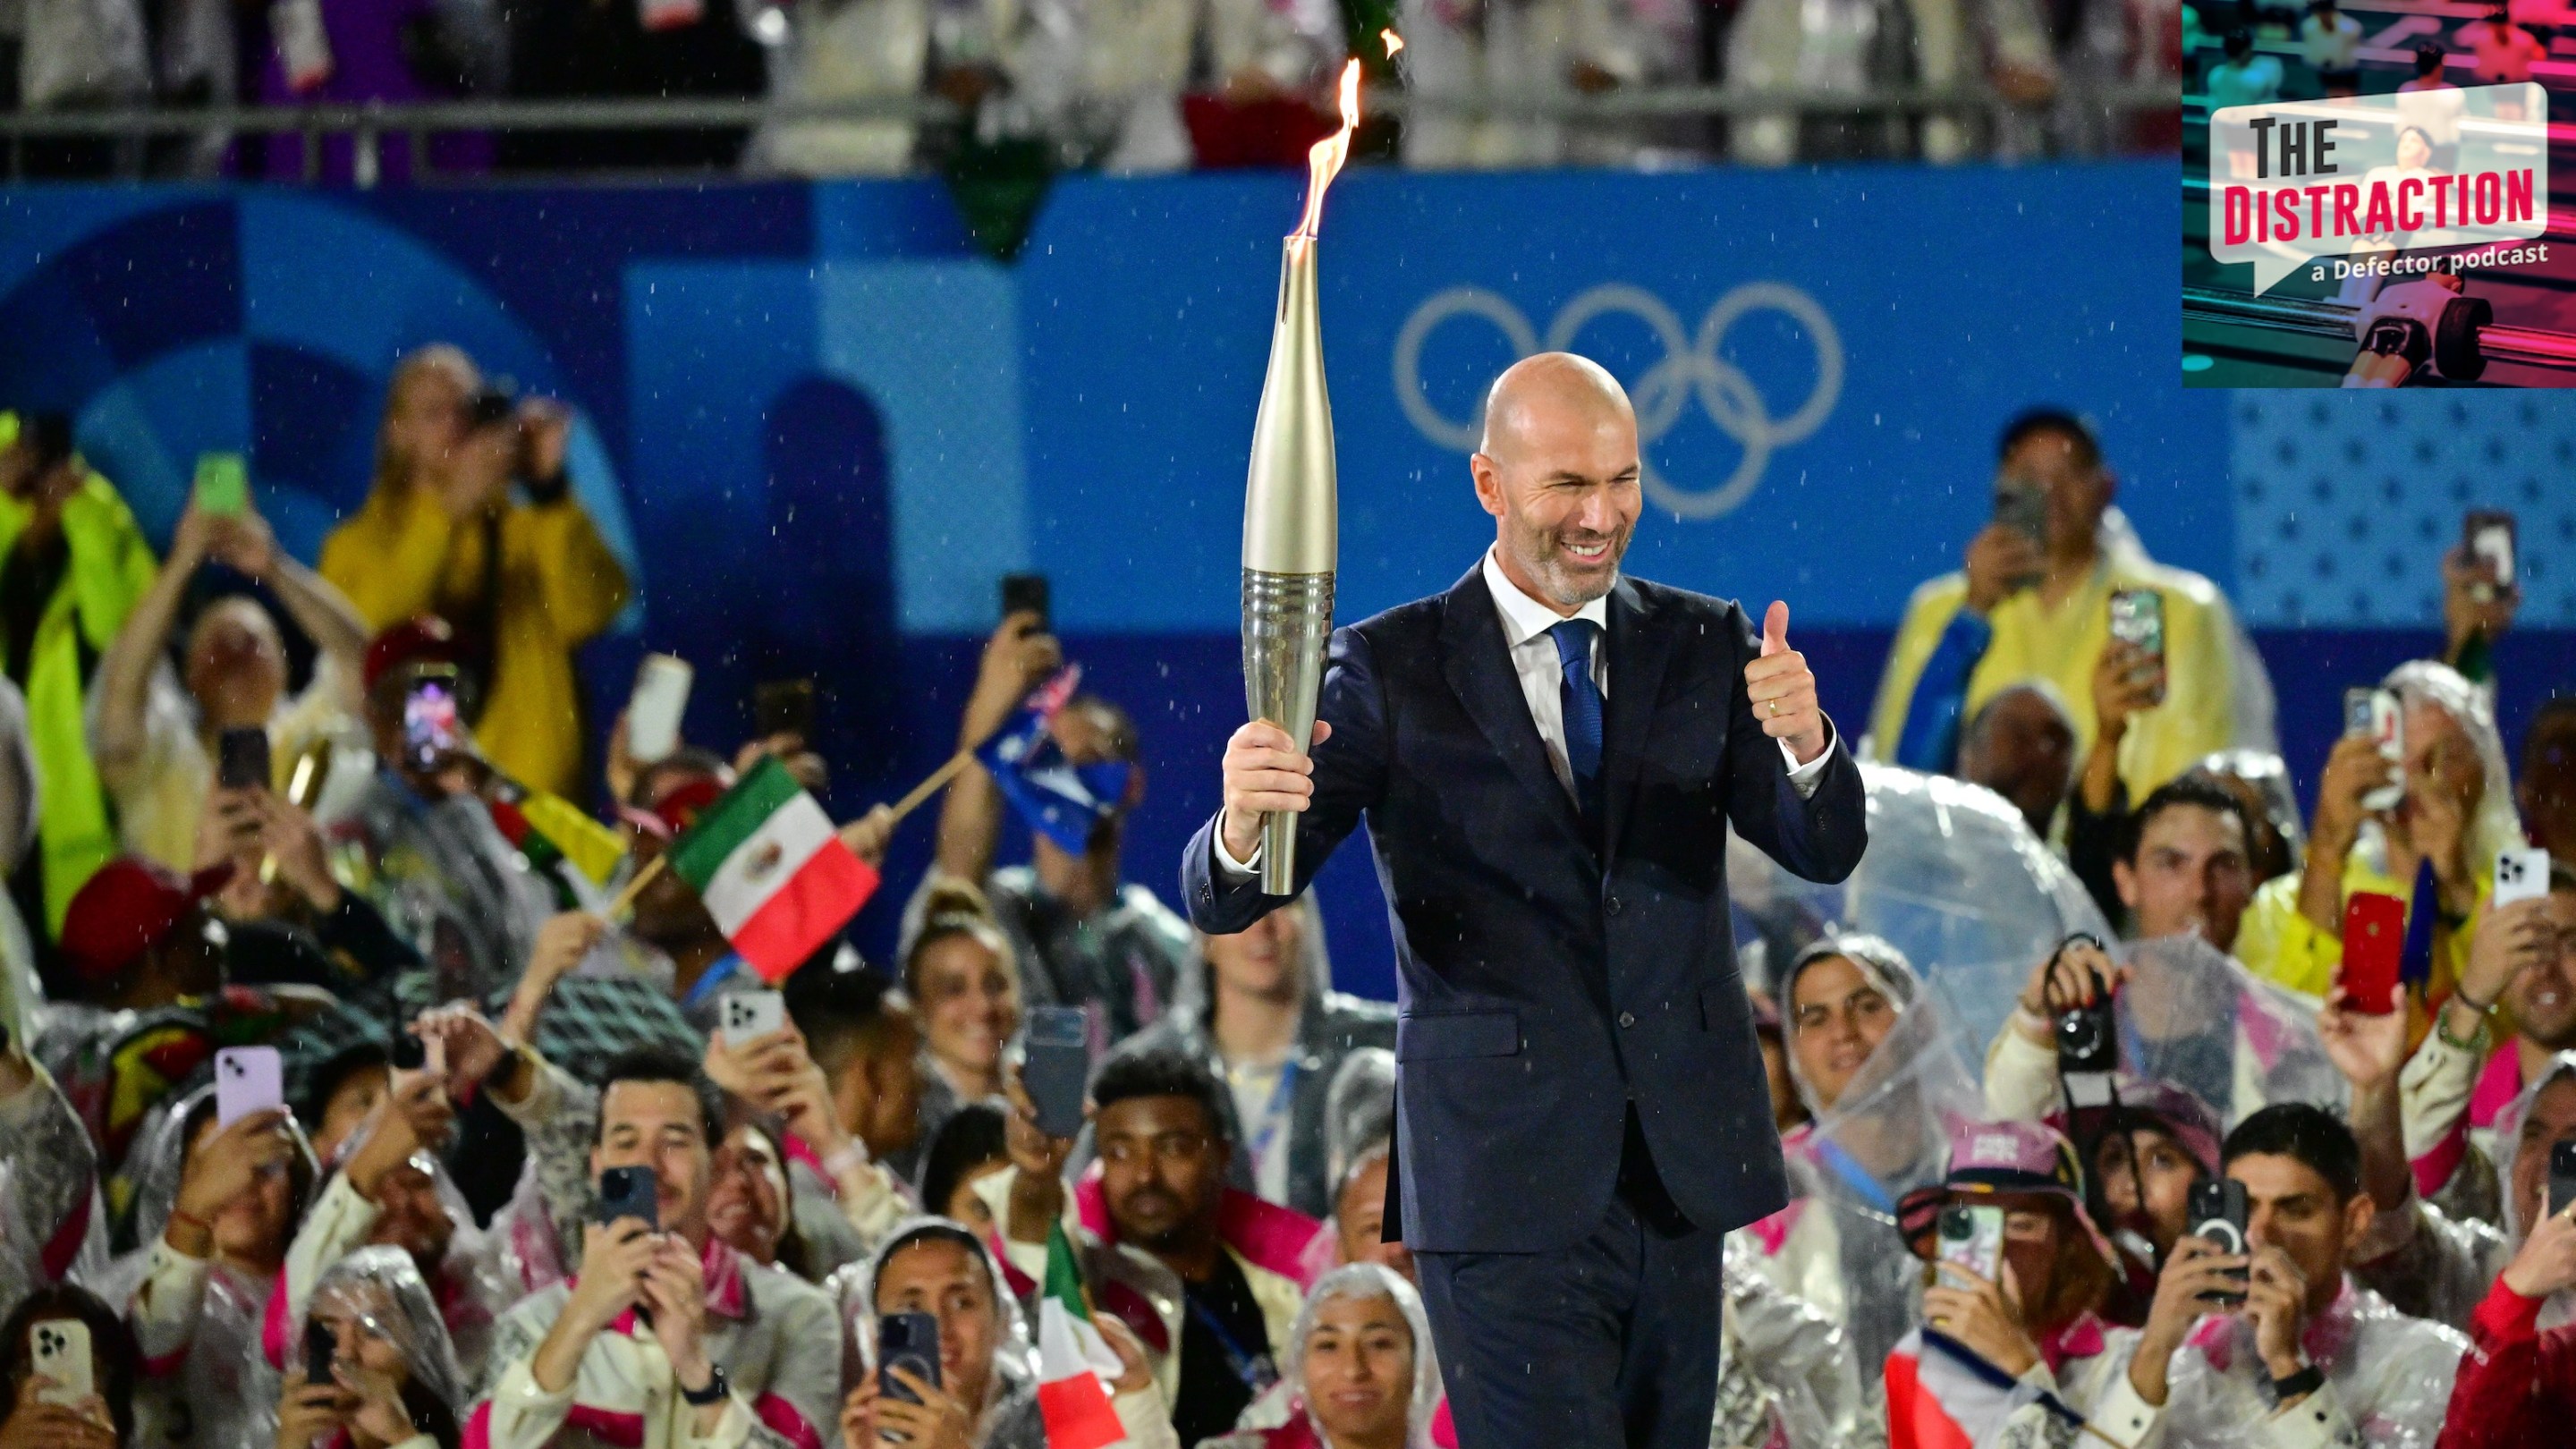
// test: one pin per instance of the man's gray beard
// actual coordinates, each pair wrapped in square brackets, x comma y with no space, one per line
[1562,592]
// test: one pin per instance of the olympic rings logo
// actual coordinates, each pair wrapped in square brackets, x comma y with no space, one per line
[1691,368]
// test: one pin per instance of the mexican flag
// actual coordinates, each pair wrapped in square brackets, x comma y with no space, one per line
[772,871]
[1074,1362]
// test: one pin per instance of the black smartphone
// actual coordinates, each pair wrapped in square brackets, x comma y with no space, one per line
[783,707]
[410,1053]
[629,1192]
[2218,1212]
[241,758]
[321,1346]
[2024,511]
[1057,1067]
[1026,593]
[2562,1175]
[908,1341]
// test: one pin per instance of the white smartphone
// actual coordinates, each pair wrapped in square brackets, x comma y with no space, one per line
[749,1015]
[59,1348]
[2388,727]
[1972,1239]
[247,1080]
[2521,874]
[653,711]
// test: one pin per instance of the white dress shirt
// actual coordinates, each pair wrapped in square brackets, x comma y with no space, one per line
[1533,651]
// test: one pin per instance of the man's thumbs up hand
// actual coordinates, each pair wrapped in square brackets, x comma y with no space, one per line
[1775,629]
[1782,692]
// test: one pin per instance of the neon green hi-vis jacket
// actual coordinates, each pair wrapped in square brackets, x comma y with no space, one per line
[108,569]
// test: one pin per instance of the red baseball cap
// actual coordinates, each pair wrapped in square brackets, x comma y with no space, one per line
[420,639]
[127,908]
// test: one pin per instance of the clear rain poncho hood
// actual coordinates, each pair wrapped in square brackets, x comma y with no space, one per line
[159,1161]
[1363,1281]
[1953,879]
[2493,822]
[1010,1397]
[1886,1135]
[382,1290]
[2194,1017]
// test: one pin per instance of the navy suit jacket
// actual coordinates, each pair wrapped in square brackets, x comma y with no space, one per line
[1544,984]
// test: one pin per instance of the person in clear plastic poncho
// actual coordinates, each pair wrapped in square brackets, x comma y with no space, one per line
[214,1209]
[2244,1377]
[392,1190]
[394,1381]
[2186,1014]
[1877,1064]
[1953,879]
[2445,1266]
[1360,1368]
[986,1397]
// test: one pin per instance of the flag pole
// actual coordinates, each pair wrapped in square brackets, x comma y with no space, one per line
[635,886]
[929,787]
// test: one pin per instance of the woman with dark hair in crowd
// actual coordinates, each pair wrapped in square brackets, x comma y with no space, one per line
[964,980]
[394,1382]
[749,1204]
[973,1144]
[215,1207]
[38,1419]
[2035,1320]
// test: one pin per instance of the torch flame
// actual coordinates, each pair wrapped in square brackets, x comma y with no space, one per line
[1393,41]
[1324,160]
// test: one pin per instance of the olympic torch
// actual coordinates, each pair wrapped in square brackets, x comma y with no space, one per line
[1290,514]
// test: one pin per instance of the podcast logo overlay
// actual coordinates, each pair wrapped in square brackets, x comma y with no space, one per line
[2347,186]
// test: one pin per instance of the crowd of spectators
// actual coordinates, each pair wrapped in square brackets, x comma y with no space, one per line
[1120,85]
[2262,1214]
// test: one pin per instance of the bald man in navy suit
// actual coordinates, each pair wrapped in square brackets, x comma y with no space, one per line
[1548,756]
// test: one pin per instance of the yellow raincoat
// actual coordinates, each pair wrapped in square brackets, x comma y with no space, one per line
[557,587]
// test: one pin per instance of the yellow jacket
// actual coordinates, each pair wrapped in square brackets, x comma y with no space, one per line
[402,555]
[2061,646]
[108,568]
[2276,942]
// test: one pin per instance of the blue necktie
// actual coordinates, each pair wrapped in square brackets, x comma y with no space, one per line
[1581,700]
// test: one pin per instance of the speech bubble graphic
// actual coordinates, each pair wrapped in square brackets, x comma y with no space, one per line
[2368,176]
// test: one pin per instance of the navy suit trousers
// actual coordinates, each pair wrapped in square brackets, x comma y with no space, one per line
[1609,1343]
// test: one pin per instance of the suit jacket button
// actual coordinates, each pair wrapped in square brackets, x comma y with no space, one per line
[1627,1018]
[1611,905]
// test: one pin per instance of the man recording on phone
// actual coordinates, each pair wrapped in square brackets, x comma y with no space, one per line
[661,1317]
[2034,602]
[2305,1356]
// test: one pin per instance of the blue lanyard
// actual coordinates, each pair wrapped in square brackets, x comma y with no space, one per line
[1854,1176]
[1253,1369]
